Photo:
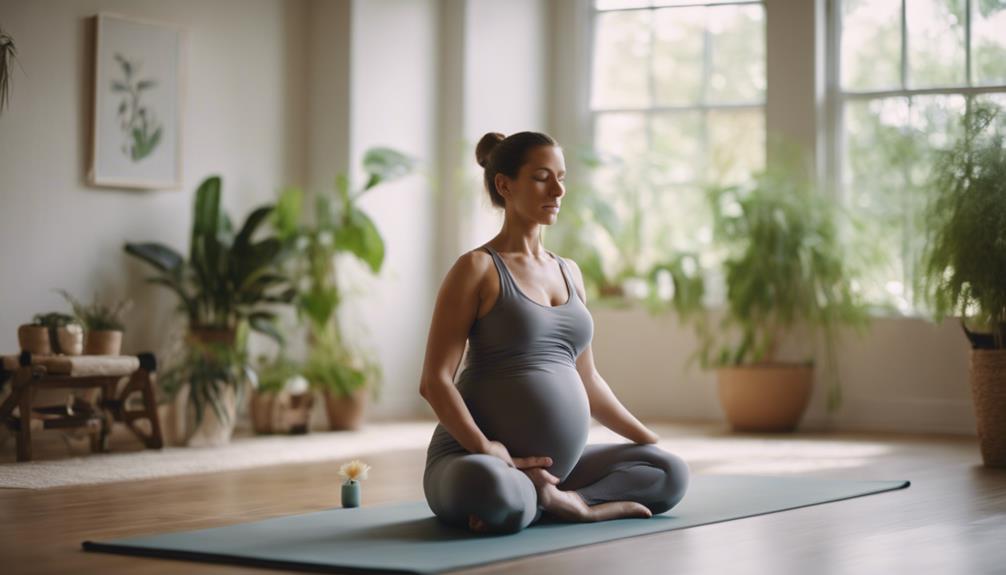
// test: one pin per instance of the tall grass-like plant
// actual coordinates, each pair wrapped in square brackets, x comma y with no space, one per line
[964,262]
[97,316]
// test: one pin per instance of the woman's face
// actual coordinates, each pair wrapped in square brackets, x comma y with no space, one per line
[537,191]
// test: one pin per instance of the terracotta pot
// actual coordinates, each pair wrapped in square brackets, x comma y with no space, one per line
[345,412]
[34,339]
[103,342]
[281,412]
[988,389]
[765,397]
[70,339]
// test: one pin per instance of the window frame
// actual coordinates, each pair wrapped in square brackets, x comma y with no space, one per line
[833,167]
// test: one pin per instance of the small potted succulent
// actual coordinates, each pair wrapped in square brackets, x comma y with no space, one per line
[65,334]
[103,325]
[353,472]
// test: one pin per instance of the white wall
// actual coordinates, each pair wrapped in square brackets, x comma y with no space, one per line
[393,101]
[244,115]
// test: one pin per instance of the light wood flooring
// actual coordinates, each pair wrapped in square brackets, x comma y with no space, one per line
[951,520]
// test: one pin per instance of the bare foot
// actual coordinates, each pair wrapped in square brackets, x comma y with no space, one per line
[476,524]
[569,506]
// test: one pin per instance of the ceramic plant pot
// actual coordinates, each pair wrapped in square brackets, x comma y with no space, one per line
[34,339]
[765,397]
[345,412]
[70,339]
[103,342]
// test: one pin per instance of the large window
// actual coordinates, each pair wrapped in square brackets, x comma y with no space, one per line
[906,72]
[677,98]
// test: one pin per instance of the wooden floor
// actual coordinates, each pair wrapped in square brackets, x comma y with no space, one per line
[951,520]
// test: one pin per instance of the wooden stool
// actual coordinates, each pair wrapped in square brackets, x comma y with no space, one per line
[31,373]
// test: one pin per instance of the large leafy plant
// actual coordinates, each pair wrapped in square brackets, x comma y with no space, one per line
[229,277]
[785,267]
[964,262]
[338,226]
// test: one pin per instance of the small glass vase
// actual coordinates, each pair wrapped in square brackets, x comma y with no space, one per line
[351,494]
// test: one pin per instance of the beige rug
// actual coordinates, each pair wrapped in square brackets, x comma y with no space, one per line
[241,453]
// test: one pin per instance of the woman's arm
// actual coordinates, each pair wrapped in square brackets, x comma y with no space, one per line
[455,311]
[604,406]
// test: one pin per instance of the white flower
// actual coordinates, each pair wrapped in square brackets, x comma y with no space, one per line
[355,470]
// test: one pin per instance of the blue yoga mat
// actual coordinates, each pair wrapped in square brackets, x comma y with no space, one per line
[407,538]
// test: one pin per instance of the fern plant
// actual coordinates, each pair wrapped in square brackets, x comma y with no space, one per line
[964,261]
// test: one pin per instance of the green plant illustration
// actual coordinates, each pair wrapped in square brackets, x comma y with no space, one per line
[140,128]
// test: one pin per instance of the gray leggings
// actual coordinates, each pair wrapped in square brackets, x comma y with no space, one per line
[460,484]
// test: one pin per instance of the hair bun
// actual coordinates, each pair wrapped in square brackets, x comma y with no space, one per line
[486,145]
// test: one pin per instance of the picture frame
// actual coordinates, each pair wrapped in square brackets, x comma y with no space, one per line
[136,136]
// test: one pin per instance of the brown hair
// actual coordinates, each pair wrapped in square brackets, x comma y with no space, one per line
[505,155]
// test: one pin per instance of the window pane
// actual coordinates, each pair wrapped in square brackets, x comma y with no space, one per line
[616,4]
[620,139]
[736,144]
[935,43]
[679,221]
[677,55]
[988,42]
[871,44]
[677,147]
[888,146]
[737,34]
[621,60]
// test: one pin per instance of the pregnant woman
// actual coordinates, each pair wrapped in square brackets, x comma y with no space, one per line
[511,443]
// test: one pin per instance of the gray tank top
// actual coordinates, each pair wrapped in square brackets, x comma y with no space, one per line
[519,379]
[518,332]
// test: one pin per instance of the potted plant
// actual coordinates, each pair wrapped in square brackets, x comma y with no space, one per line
[786,271]
[964,262]
[103,325]
[230,281]
[65,335]
[338,226]
[343,378]
[282,401]
[34,337]
[207,386]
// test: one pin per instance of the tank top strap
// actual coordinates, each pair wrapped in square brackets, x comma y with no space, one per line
[508,286]
[568,277]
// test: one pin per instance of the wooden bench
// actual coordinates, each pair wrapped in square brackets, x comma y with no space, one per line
[30,373]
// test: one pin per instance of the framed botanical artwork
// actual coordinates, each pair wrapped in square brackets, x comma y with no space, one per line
[137,124]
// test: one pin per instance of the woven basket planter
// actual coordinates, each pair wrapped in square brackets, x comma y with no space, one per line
[988,388]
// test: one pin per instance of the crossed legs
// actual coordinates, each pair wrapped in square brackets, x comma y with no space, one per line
[482,493]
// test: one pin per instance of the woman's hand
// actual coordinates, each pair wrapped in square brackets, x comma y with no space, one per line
[497,449]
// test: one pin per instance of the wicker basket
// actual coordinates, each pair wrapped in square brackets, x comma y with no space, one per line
[988,388]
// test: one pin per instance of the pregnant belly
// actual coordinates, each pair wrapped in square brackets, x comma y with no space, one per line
[536,412]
